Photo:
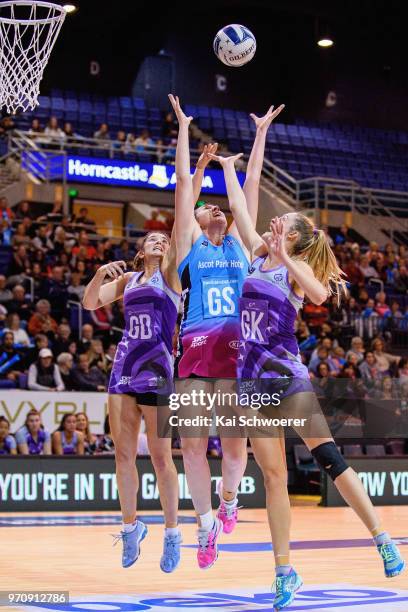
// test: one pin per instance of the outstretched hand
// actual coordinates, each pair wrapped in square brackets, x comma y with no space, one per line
[181,116]
[205,157]
[226,161]
[263,123]
[275,240]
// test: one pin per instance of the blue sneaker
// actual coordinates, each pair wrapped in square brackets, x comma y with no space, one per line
[286,588]
[171,553]
[394,564]
[131,543]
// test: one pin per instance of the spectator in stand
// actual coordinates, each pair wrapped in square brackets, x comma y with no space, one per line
[7,442]
[13,324]
[5,210]
[343,236]
[65,362]
[403,370]
[387,390]
[62,339]
[106,444]
[19,262]
[76,288]
[19,303]
[40,341]
[124,252]
[338,359]
[41,321]
[366,269]
[103,132]
[53,131]
[357,348]
[29,226]
[401,279]
[169,128]
[35,129]
[32,438]
[120,143]
[384,361]
[90,440]
[393,317]
[44,375]
[170,152]
[102,254]
[82,221]
[354,276]
[56,290]
[315,315]
[154,222]
[67,440]
[322,356]
[5,293]
[108,248]
[70,133]
[20,237]
[302,332]
[59,241]
[102,319]
[86,338]
[52,216]
[83,243]
[11,362]
[86,378]
[42,241]
[23,211]
[381,307]
[110,355]
[142,143]
[369,370]
[6,126]
[97,356]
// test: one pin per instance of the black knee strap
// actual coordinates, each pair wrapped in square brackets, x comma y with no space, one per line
[329,458]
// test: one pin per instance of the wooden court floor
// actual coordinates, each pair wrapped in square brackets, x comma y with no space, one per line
[330,547]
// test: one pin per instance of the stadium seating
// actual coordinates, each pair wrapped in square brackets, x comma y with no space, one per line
[374,158]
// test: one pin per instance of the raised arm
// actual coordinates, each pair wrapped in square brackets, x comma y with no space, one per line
[98,294]
[255,162]
[169,265]
[186,227]
[238,205]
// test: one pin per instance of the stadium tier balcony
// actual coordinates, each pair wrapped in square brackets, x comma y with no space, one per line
[372,157]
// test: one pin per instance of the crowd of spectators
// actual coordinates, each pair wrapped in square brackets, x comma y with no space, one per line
[42,346]
[73,436]
[142,145]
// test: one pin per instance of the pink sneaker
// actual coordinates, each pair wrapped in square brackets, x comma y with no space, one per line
[207,553]
[227,515]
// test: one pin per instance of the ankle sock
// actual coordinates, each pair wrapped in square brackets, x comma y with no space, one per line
[381,538]
[207,521]
[128,527]
[283,570]
[171,531]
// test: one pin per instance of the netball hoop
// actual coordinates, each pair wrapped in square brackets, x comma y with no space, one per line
[28,31]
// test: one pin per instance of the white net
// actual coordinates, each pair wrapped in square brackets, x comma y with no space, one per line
[28,31]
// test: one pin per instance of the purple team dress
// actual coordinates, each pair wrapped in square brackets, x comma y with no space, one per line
[269,349]
[143,361]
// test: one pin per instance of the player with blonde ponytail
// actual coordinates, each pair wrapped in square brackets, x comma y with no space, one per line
[289,263]
[313,247]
